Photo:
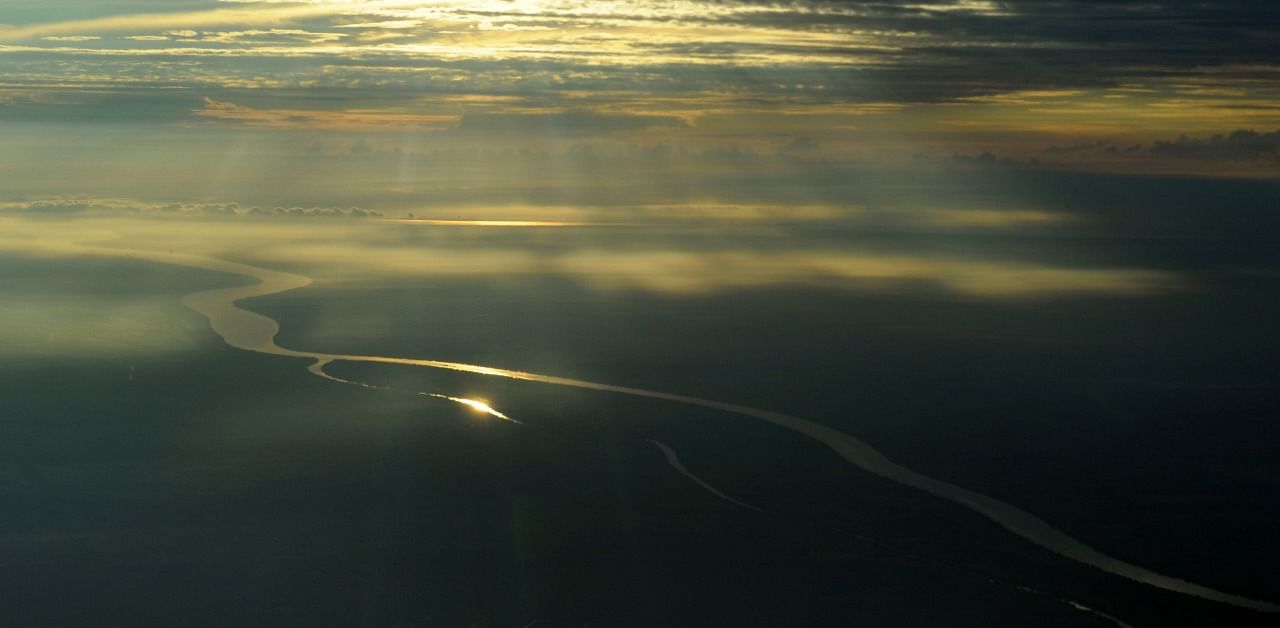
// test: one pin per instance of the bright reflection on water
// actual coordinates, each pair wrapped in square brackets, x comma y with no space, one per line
[477,405]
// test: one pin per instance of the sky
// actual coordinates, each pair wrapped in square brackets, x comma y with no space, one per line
[399,106]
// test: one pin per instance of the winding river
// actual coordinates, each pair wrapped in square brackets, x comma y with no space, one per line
[673,459]
[244,329]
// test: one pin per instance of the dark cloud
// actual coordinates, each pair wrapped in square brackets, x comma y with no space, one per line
[989,159]
[1030,44]
[886,50]
[1078,148]
[1238,145]
[361,147]
[801,144]
[311,212]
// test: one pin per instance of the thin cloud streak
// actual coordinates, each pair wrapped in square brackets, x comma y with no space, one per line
[174,20]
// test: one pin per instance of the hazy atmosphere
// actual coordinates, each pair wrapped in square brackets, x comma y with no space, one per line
[564,313]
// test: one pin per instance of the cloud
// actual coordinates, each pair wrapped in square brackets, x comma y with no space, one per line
[384,24]
[561,124]
[43,105]
[89,207]
[311,212]
[361,147]
[891,50]
[254,14]
[684,272]
[708,269]
[991,160]
[1235,146]
[154,22]
[1087,147]
[341,119]
[802,144]
[270,36]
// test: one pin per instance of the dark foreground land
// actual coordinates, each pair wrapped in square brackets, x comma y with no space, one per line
[213,487]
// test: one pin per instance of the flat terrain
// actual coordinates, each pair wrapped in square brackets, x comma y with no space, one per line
[201,485]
